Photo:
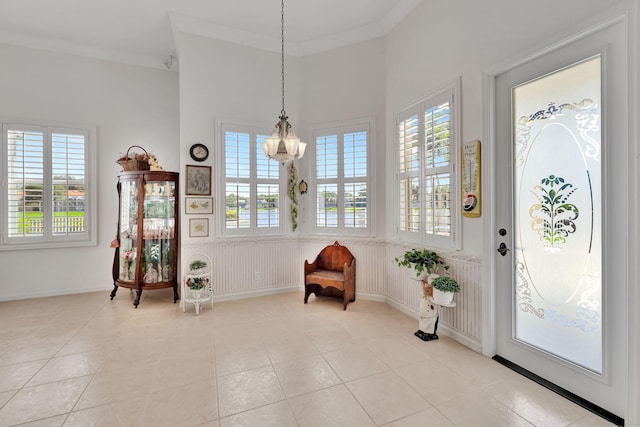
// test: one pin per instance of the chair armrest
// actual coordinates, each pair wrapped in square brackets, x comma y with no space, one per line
[350,270]
[310,268]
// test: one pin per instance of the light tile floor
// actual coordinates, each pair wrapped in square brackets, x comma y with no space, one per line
[83,360]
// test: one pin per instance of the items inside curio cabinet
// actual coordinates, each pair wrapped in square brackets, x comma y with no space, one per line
[148,223]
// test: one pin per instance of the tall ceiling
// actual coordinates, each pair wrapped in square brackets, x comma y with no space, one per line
[141,31]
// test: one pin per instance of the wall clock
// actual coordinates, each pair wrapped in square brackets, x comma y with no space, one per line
[199,152]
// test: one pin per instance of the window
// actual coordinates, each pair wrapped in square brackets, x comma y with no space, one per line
[342,183]
[50,191]
[427,185]
[252,183]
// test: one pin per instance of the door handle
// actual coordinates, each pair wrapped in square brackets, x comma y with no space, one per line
[502,249]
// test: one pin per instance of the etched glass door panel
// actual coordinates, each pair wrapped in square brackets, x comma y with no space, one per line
[557,214]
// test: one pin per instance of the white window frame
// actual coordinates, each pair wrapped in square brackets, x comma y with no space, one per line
[449,93]
[253,230]
[341,128]
[48,239]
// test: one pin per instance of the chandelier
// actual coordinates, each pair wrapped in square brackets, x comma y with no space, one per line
[283,145]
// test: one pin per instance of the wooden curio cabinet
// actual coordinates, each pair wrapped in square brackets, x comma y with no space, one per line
[146,255]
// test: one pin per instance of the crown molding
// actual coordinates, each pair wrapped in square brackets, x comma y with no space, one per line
[398,13]
[199,27]
[189,25]
[77,49]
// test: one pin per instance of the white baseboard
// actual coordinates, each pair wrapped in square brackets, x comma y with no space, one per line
[442,329]
[257,293]
[57,293]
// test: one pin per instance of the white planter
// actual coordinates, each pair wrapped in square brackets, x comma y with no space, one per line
[196,293]
[442,297]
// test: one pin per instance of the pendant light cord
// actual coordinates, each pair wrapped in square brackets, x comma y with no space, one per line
[282,58]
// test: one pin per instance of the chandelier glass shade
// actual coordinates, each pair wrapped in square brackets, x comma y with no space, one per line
[283,145]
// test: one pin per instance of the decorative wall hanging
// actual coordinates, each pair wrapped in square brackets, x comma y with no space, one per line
[471,179]
[198,180]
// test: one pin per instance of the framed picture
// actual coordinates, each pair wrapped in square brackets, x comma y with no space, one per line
[198,205]
[199,227]
[198,180]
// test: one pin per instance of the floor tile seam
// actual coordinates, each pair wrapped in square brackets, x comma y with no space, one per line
[8,400]
[118,399]
[286,398]
[360,404]
[25,384]
[433,405]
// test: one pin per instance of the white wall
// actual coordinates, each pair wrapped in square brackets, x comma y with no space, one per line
[129,105]
[441,41]
[340,85]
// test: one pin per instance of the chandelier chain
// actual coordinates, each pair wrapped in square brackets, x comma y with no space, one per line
[282,57]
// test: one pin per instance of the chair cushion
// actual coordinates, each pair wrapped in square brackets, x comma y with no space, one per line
[326,278]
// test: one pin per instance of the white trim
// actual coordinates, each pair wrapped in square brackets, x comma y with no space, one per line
[341,128]
[253,129]
[489,316]
[48,128]
[448,92]
[83,50]
[256,293]
[442,328]
[185,24]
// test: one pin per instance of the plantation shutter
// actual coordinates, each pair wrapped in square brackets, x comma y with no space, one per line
[25,182]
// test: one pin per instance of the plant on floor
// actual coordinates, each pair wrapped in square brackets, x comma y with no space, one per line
[445,284]
[421,260]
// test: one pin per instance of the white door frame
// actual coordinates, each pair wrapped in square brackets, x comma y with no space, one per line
[631,17]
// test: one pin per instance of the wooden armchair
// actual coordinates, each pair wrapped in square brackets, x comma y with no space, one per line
[333,273]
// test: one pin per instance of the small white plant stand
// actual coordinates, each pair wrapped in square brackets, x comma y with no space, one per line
[197,297]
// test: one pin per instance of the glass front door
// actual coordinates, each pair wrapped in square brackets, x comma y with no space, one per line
[561,214]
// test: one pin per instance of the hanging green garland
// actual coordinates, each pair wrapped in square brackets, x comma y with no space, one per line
[293,185]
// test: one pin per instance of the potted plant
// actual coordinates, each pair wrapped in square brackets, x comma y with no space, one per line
[197,266]
[423,261]
[444,288]
[196,286]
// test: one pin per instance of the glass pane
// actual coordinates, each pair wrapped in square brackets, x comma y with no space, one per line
[128,229]
[436,133]
[158,231]
[355,205]
[236,154]
[68,180]
[238,206]
[438,204]
[265,169]
[558,215]
[327,157]
[410,204]
[355,155]
[408,135]
[327,205]
[25,186]
[268,202]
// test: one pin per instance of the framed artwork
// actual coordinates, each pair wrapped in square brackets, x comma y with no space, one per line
[198,205]
[198,180]
[199,227]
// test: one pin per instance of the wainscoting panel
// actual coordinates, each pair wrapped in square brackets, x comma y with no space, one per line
[370,261]
[464,320]
[251,267]
[245,266]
